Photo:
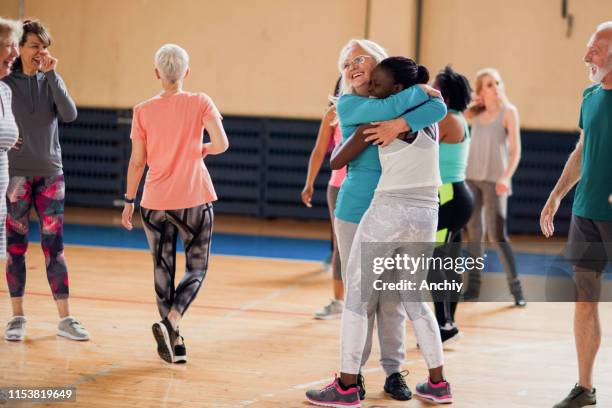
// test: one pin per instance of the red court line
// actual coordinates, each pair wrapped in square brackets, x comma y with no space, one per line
[144,302]
[265,311]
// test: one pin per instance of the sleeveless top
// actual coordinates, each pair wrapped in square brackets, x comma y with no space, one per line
[337,176]
[488,156]
[454,156]
[411,166]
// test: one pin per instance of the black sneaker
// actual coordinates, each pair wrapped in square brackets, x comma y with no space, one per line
[449,334]
[361,385]
[166,337]
[579,397]
[519,301]
[396,386]
[180,352]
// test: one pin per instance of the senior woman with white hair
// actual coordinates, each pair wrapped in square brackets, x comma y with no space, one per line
[167,135]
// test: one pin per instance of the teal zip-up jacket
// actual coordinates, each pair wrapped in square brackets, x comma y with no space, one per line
[364,170]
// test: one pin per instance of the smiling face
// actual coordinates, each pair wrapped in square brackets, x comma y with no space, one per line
[357,68]
[32,53]
[8,54]
[598,56]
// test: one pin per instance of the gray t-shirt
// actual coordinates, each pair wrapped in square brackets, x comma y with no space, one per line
[38,101]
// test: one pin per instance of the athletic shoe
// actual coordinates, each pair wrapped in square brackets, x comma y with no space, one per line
[519,301]
[397,387]
[15,329]
[68,327]
[579,397]
[437,393]
[361,385]
[166,337]
[332,395]
[449,334]
[331,311]
[180,352]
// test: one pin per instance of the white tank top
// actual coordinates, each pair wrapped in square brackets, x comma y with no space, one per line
[407,166]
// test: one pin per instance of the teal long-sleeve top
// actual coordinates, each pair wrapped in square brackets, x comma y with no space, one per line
[364,170]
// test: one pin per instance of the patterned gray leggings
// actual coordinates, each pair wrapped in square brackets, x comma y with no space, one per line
[162,227]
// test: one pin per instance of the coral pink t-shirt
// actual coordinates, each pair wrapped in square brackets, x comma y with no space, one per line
[337,176]
[172,129]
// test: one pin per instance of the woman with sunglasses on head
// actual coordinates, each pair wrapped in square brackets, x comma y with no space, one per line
[40,100]
[495,152]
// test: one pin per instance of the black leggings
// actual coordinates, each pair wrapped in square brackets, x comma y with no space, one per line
[456,206]
[162,227]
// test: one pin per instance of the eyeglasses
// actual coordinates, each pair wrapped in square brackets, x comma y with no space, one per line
[360,59]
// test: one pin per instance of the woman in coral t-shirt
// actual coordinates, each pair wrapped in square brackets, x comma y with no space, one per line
[167,136]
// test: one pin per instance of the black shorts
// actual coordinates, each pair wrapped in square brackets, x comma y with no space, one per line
[590,243]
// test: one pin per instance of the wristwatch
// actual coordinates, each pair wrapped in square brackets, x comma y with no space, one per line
[128,200]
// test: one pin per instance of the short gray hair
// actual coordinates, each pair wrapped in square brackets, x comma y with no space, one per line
[606,25]
[370,47]
[172,62]
[10,29]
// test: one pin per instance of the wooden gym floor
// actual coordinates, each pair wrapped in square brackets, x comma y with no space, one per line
[251,340]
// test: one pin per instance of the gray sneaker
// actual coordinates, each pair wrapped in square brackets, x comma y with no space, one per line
[15,329]
[437,393]
[579,397]
[68,327]
[332,395]
[331,311]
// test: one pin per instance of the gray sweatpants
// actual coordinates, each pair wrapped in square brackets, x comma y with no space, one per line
[490,210]
[391,318]
[387,220]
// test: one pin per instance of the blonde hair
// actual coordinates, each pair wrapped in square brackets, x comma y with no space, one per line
[172,62]
[371,48]
[10,29]
[480,76]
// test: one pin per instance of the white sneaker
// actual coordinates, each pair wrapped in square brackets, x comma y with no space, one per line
[15,329]
[68,327]
[331,311]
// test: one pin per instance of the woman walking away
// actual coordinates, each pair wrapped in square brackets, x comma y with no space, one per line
[40,100]
[167,136]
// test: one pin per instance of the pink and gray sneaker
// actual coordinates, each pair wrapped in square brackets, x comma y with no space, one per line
[332,395]
[437,393]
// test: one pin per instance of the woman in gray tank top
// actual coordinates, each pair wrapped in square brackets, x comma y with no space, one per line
[495,152]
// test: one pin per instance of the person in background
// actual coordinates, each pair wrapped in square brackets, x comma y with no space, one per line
[329,133]
[495,152]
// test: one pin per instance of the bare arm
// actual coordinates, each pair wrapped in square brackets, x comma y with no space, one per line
[350,149]
[138,161]
[318,155]
[512,125]
[218,139]
[569,177]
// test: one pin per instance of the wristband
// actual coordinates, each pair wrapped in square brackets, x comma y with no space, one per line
[128,200]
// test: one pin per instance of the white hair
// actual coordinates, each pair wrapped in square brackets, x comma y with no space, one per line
[10,30]
[606,25]
[172,62]
[370,47]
